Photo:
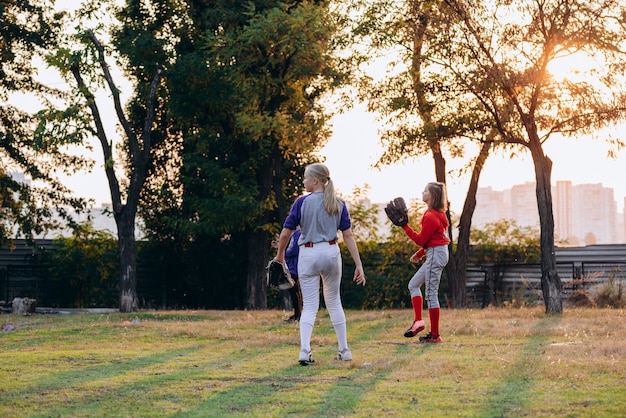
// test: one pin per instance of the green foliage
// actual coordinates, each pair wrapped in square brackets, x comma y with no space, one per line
[29,31]
[86,265]
[273,74]
[420,104]
[363,214]
[243,109]
[239,116]
[388,271]
[505,242]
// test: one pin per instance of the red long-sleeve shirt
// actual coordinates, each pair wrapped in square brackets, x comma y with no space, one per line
[434,231]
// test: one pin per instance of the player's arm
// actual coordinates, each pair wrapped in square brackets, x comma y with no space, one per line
[429,228]
[283,241]
[348,238]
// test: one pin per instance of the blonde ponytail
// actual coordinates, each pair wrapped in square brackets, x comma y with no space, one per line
[322,174]
[331,203]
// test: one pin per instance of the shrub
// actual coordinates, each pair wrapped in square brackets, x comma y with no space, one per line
[521,294]
[603,294]
[580,299]
[609,294]
[85,267]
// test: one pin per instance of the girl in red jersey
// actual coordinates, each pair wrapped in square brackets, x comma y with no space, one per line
[433,240]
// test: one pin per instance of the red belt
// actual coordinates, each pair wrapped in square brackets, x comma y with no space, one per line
[310,244]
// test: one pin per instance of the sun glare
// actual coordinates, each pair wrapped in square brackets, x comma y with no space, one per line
[574,67]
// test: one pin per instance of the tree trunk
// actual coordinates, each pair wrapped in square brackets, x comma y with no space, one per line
[455,272]
[258,255]
[440,163]
[139,153]
[128,262]
[457,266]
[270,181]
[551,285]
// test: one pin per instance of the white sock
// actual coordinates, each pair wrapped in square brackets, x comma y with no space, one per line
[306,330]
[342,336]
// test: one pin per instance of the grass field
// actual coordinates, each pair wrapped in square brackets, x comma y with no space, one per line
[491,363]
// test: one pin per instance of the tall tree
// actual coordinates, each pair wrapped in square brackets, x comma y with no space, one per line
[28,31]
[280,68]
[83,61]
[245,83]
[494,59]
[424,109]
[508,48]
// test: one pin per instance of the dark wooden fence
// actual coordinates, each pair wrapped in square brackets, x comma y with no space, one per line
[578,268]
[23,273]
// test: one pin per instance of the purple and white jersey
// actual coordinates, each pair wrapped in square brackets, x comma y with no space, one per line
[316,224]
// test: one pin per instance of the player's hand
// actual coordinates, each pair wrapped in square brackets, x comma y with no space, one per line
[359,276]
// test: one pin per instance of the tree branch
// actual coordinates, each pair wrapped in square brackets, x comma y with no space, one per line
[147,127]
[132,138]
[101,134]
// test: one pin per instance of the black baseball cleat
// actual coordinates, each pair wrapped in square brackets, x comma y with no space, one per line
[292,318]
[430,338]
[305,358]
[416,328]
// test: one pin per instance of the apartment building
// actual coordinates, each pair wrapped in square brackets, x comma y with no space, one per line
[584,214]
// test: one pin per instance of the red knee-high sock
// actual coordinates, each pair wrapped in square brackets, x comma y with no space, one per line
[433,314]
[417,307]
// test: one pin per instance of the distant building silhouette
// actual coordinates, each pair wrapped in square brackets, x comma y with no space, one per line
[584,214]
[524,205]
[101,218]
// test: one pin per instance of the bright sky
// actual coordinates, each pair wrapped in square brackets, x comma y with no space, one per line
[355,147]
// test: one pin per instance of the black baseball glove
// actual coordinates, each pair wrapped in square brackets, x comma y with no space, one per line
[397,212]
[278,276]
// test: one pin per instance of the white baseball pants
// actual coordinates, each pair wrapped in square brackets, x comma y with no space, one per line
[321,261]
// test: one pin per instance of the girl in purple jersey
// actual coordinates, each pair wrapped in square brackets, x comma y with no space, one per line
[320,214]
[291,258]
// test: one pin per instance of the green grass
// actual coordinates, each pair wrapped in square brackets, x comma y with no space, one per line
[492,363]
